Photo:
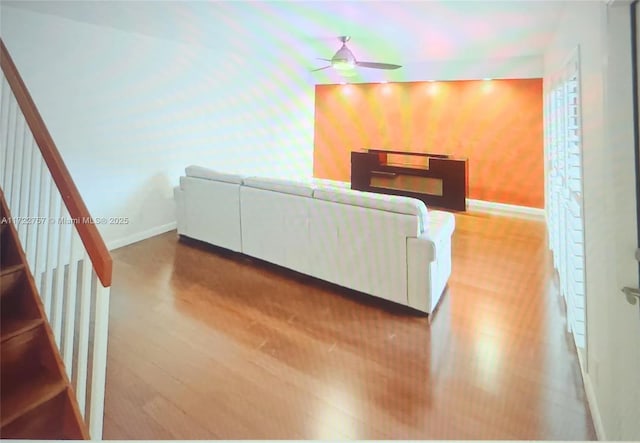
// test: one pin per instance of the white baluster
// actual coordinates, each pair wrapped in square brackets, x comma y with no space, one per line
[25,180]
[99,361]
[47,289]
[86,290]
[11,150]
[63,258]
[70,308]
[4,124]
[41,251]
[34,187]
[17,166]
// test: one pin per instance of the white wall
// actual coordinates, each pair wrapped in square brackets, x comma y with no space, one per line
[623,319]
[128,112]
[608,203]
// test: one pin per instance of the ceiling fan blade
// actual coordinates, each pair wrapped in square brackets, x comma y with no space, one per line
[377,65]
[320,69]
[324,59]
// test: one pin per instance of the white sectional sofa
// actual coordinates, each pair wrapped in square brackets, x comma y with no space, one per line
[387,246]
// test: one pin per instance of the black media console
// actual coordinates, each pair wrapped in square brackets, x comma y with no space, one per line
[436,179]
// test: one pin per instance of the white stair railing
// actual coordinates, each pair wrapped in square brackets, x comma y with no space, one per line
[67,257]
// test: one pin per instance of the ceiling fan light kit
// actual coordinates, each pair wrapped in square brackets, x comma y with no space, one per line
[345,61]
[342,65]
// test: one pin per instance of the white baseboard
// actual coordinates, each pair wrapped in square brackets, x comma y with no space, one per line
[505,209]
[139,236]
[593,407]
[591,396]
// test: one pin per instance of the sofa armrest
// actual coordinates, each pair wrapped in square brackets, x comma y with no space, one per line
[421,256]
[422,246]
[428,266]
[181,216]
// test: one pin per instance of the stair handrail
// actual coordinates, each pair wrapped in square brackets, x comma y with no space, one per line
[87,231]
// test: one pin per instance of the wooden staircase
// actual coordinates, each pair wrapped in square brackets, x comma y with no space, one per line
[36,399]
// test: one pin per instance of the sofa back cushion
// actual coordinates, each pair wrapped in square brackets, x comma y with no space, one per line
[384,202]
[361,248]
[327,183]
[210,174]
[280,185]
[275,227]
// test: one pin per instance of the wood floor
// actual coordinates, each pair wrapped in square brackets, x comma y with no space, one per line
[206,344]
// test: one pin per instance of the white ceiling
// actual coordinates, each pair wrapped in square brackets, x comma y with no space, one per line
[396,32]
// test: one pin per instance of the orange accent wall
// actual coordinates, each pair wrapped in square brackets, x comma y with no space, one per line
[496,124]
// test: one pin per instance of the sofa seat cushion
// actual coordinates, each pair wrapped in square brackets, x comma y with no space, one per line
[210,174]
[384,202]
[280,185]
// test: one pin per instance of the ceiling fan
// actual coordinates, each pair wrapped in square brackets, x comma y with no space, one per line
[345,61]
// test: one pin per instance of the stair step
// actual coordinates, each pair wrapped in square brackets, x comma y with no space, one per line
[36,401]
[23,354]
[20,398]
[13,327]
[18,307]
[10,269]
[50,420]
[10,278]
[9,246]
